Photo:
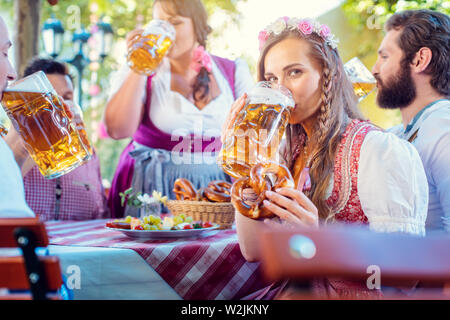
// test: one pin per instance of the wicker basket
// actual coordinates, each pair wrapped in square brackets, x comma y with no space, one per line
[221,213]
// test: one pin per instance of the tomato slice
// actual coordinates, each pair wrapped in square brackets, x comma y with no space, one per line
[207,224]
[118,225]
[188,226]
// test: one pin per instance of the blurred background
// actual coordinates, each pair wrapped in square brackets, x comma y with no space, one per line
[91,35]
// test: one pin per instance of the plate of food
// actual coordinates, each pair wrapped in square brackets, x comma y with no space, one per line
[153,227]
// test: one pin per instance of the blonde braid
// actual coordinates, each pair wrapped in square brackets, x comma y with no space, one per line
[324,118]
[322,135]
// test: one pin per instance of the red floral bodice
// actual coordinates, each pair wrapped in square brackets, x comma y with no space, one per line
[344,199]
[346,207]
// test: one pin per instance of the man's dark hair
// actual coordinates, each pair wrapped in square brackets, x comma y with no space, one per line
[48,66]
[426,28]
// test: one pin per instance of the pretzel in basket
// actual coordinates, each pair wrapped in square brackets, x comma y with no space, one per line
[263,177]
[184,190]
[218,191]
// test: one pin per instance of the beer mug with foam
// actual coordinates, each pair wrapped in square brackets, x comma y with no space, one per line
[257,130]
[39,116]
[362,79]
[149,48]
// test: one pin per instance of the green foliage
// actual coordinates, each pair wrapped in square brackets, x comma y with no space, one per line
[376,12]
[130,198]
[123,14]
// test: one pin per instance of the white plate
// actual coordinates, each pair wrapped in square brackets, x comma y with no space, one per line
[160,234]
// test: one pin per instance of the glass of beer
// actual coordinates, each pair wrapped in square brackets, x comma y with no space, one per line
[362,79]
[39,116]
[149,48]
[257,130]
[75,114]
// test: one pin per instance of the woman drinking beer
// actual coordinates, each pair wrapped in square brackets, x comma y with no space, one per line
[345,169]
[174,116]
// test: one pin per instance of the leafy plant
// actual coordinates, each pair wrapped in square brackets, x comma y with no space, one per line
[130,198]
[362,13]
[139,199]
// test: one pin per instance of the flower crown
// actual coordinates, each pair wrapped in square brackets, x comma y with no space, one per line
[305,26]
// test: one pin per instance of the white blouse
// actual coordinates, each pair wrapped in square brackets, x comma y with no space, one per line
[392,185]
[172,113]
[433,145]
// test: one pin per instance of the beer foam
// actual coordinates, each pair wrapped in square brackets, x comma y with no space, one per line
[35,83]
[24,88]
[261,95]
[160,27]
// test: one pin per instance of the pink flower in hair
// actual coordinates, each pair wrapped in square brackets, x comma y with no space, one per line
[286,19]
[200,58]
[305,27]
[206,62]
[262,37]
[325,31]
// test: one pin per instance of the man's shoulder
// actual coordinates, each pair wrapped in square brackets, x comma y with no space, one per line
[440,110]
[397,130]
[437,119]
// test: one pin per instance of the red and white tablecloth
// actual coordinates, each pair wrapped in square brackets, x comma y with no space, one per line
[203,268]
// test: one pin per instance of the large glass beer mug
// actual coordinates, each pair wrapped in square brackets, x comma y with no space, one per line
[38,115]
[257,130]
[149,48]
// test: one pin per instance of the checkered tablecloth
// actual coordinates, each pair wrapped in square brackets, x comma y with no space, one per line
[203,268]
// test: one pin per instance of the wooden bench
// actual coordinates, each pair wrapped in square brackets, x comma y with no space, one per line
[347,252]
[41,276]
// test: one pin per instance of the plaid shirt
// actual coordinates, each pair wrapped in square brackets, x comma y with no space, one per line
[78,195]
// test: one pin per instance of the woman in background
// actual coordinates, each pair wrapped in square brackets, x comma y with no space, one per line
[175,116]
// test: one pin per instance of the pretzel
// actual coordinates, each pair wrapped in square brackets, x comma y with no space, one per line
[184,190]
[263,177]
[220,186]
[217,196]
[218,191]
[201,195]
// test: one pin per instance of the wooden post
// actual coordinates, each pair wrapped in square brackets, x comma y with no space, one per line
[27,14]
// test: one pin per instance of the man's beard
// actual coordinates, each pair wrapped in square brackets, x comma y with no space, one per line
[398,91]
